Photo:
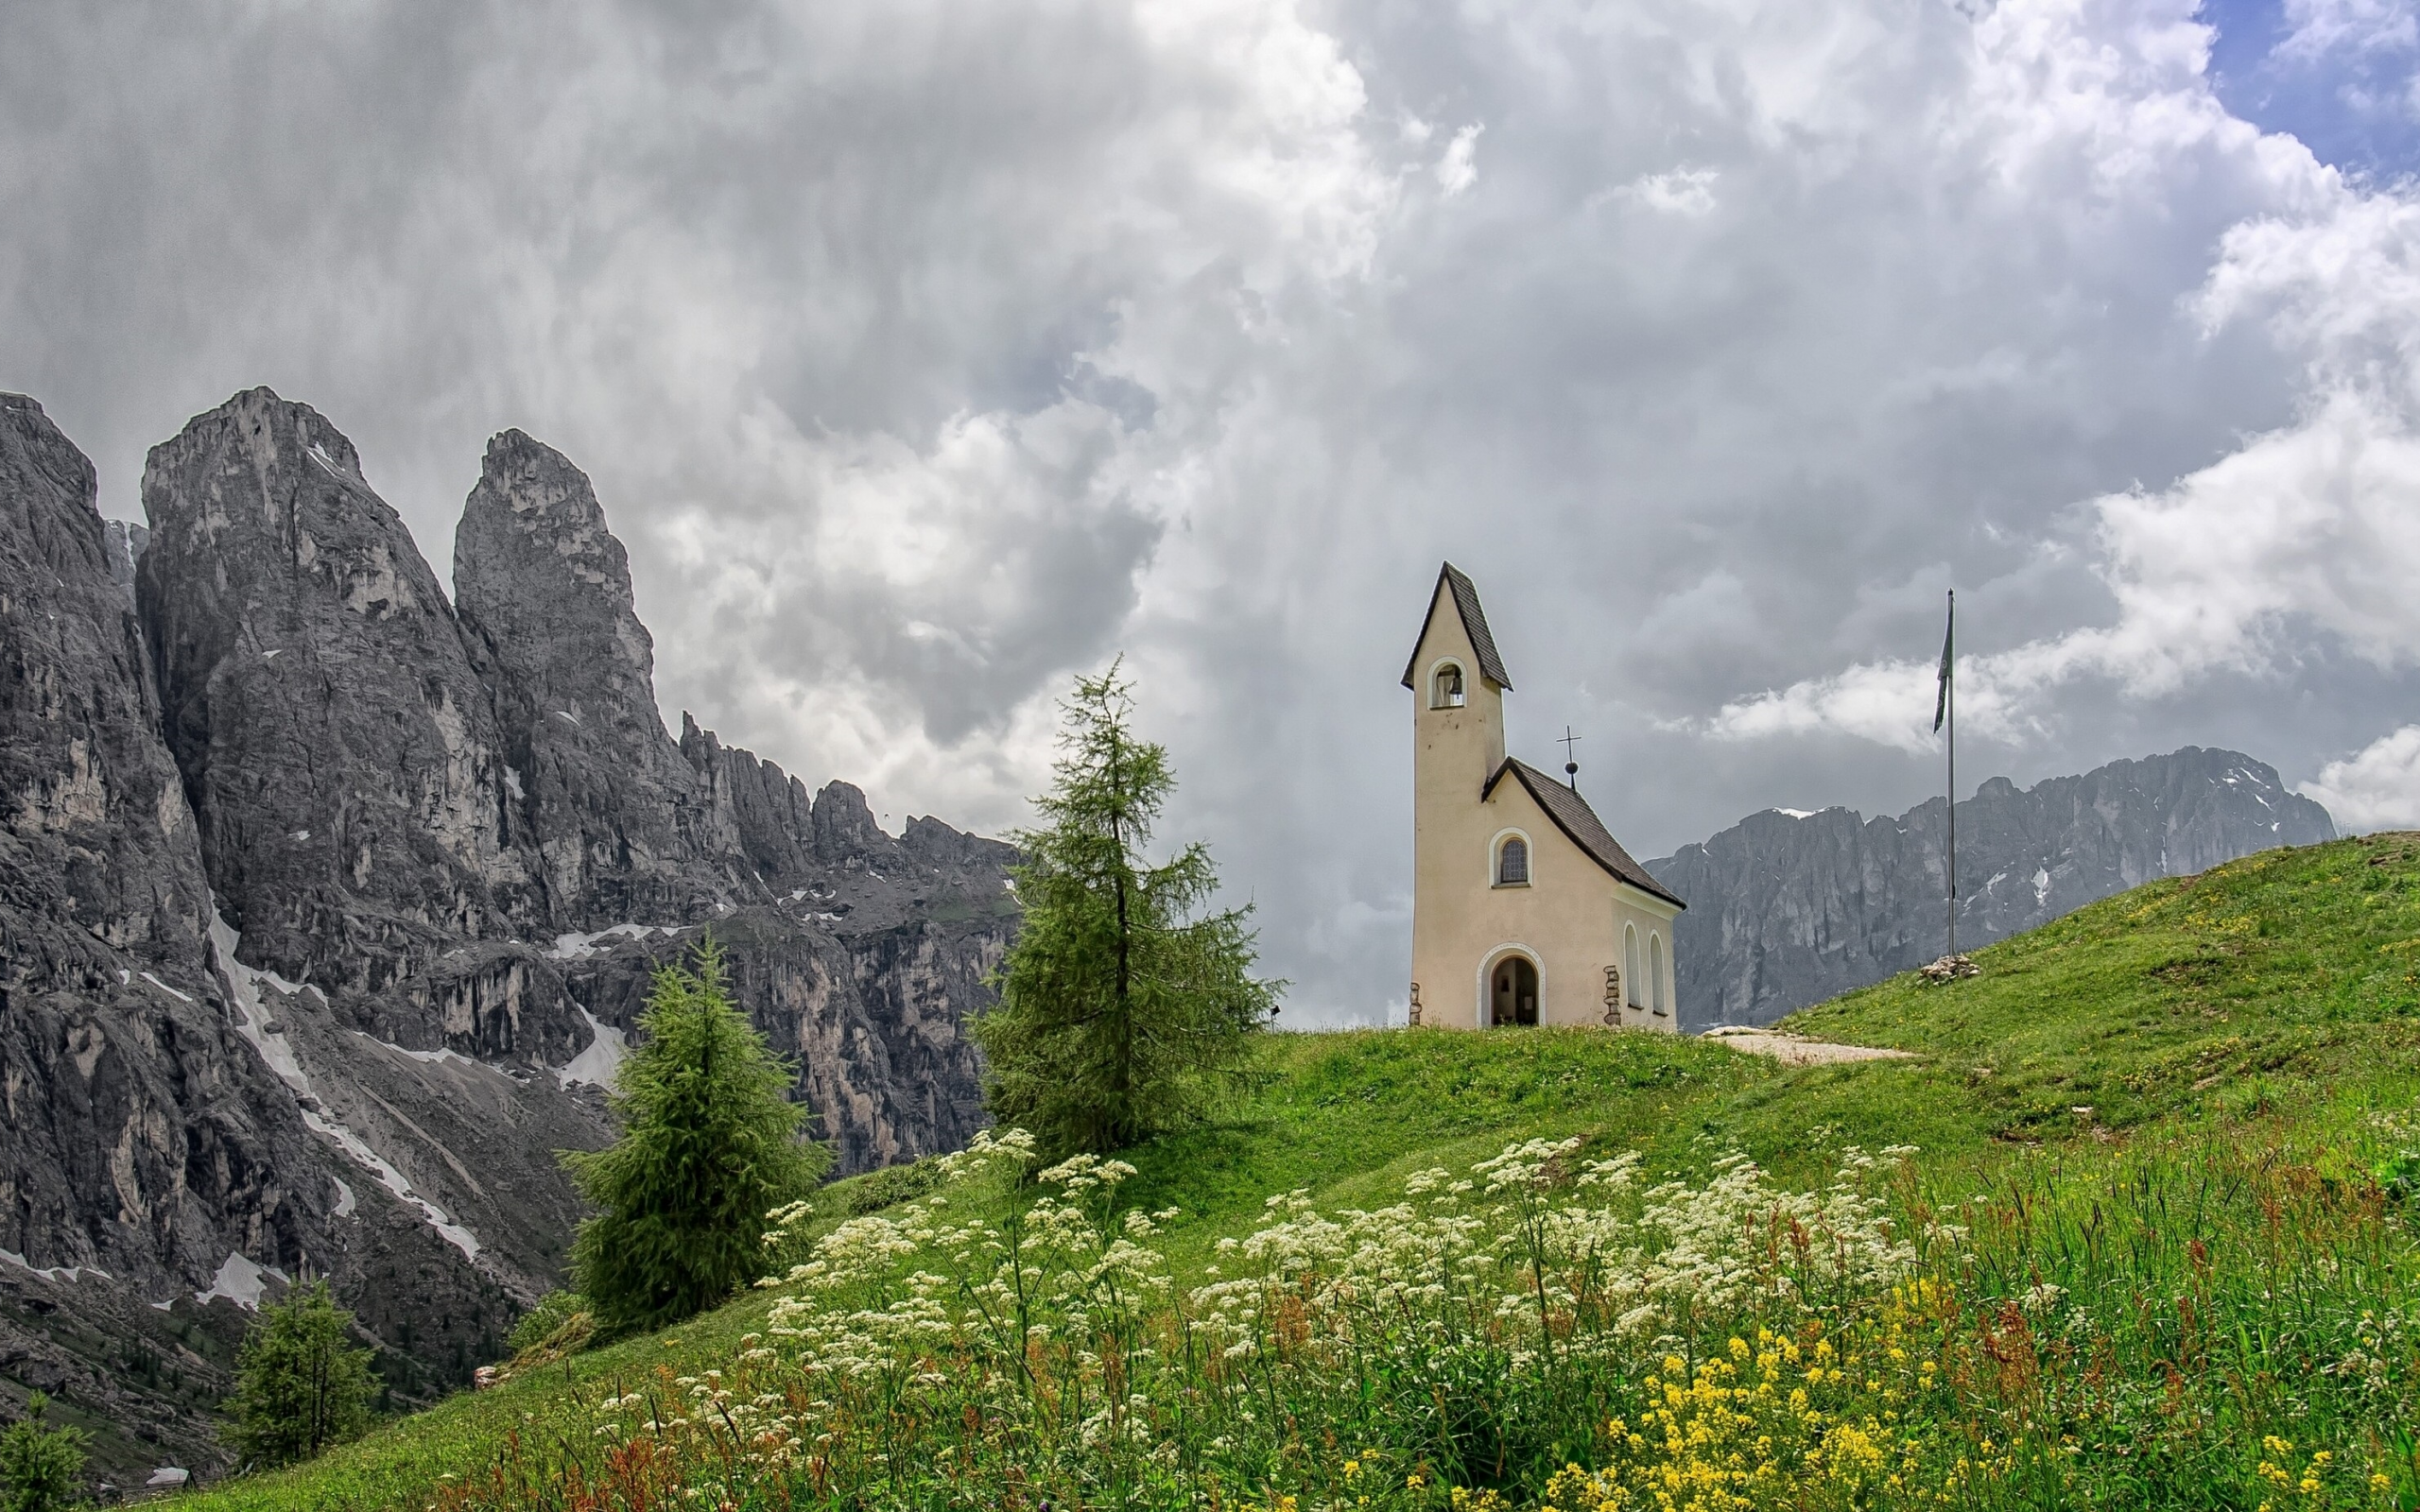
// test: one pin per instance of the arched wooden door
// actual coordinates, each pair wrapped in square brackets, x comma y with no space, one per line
[1513,992]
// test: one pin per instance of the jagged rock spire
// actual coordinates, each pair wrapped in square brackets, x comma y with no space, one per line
[625,828]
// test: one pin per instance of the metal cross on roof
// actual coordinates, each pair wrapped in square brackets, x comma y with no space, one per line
[1570,761]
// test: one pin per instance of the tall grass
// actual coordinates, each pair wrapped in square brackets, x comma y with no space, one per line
[2216,1319]
[2221,1317]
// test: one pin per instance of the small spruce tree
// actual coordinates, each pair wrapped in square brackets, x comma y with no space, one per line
[42,1468]
[1125,1010]
[709,1146]
[301,1384]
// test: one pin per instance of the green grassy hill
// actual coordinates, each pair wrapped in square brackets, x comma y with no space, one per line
[2262,1018]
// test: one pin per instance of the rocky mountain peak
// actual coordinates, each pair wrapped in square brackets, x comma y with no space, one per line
[340,754]
[143,1139]
[623,828]
[264,459]
[537,568]
[844,827]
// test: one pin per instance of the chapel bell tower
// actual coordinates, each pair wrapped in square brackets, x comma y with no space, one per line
[1457,717]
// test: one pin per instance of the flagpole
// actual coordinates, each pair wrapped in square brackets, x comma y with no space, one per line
[1949,700]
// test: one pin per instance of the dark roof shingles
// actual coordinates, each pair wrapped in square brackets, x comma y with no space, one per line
[1491,664]
[1574,817]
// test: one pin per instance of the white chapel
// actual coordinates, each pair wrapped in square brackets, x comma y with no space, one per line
[1525,909]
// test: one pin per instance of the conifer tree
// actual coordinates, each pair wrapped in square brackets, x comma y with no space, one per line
[709,1146]
[1125,1010]
[301,1384]
[42,1468]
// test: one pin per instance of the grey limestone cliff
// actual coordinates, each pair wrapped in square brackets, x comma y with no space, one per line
[146,1142]
[96,804]
[623,826]
[1787,909]
[123,542]
[344,759]
[327,904]
[857,952]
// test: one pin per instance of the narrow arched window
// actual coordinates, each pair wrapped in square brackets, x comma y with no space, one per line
[1630,967]
[1655,969]
[1445,689]
[1511,862]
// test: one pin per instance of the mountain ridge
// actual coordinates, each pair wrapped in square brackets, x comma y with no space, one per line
[1787,907]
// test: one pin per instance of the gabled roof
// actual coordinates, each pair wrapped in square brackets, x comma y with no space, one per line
[1574,817]
[1490,666]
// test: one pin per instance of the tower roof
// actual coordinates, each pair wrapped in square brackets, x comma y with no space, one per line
[1490,666]
[1574,817]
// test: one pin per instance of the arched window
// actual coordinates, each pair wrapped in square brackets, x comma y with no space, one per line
[1631,990]
[1655,971]
[1445,688]
[1513,862]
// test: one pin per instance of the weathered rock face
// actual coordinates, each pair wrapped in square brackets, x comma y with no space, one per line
[343,759]
[623,828]
[1786,910]
[146,1144]
[124,546]
[95,804]
[105,1057]
[872,1014]
[759,812]
[856,951]
[100,879]
[325,907]
[861,969]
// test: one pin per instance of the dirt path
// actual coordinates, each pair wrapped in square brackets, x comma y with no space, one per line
[1791,1050]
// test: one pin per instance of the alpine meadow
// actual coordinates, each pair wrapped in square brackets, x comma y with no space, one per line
[2133,1225]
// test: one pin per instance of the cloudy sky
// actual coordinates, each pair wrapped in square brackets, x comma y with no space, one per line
[926,351]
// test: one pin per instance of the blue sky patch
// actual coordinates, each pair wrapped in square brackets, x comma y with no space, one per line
[2343,82]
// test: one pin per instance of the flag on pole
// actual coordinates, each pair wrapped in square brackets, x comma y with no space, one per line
[1940,700]
[1942,710]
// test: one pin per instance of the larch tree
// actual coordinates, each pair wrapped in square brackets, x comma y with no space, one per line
[302,1385]
[1127,1007]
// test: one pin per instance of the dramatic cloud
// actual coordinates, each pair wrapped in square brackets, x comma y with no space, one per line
[926,351]
[2378,788]
[2308,531]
